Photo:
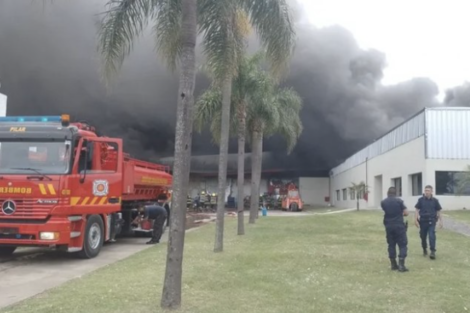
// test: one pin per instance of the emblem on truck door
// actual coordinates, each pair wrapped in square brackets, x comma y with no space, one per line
[100,187]
[8,207]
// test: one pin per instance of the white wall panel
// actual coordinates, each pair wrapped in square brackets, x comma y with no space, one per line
[448,133]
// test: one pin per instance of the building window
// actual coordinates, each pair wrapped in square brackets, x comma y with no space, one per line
[447,183]
[396,182]
[352,194]
[337,195]
[416,182]
[345,194]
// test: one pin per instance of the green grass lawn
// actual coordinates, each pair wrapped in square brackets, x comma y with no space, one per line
[309,209]
[460,215]
[323,263]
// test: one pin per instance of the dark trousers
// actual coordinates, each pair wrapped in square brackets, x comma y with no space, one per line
[158,228]
[167,215]
[396,236]
[428,228]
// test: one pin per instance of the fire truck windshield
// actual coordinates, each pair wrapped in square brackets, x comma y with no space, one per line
[293,193]
[45,157]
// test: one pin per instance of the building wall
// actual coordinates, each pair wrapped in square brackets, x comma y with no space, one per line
[400,135]
[401,162]
[3,105]
[434,140]
[313,190]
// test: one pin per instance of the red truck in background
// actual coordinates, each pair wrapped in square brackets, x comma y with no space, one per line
[63,186]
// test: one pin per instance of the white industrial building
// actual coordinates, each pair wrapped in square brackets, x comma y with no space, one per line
[430,148]
[3,105]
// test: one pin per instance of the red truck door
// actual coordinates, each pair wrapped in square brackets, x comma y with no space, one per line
[96,181]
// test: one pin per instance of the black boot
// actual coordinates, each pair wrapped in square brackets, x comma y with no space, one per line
[401,266]
[394,264]
[425,252]
[432,256]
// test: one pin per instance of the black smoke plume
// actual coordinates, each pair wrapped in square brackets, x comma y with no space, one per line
[49,65]
[458,96]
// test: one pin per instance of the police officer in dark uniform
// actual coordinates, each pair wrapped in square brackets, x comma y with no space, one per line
[395,228]
[158,214]
[428,213]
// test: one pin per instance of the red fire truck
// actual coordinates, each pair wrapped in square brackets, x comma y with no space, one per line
[63,186]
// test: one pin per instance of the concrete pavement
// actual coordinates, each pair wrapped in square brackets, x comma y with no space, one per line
[34,271]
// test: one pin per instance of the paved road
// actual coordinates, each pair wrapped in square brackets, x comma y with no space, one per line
[33,271]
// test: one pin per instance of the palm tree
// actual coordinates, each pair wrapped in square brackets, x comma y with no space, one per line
[277,113]
[176,27]
[175,24]
[246,85]
[225,23]
[359,191]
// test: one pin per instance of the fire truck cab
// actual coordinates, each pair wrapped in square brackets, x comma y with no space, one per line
[63,186]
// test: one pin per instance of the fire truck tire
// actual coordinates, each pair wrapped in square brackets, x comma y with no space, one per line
[7,251]
[94,237]
[294,207]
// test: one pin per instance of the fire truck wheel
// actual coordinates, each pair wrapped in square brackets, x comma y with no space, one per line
[7,251]
[93,239]
[294,207]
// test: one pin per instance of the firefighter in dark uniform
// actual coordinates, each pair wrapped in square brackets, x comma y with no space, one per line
[162,201]
[428,213]
[395,228]
[158,214]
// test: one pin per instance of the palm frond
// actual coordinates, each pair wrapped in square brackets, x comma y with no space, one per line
[167,30]
[207,108]
[123,21]
[290,125]
[215,124]
[273,22]
[360,189]
[223,32]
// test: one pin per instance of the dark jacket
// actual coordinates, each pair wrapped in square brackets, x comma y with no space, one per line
[154,211]
[393,208]
[428,208]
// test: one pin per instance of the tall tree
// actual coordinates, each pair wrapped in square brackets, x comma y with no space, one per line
[277,113]
[224,22]
[176,30]
[125,20]
[222,19]
[246,87]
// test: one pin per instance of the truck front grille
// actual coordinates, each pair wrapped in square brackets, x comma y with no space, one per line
[26,209]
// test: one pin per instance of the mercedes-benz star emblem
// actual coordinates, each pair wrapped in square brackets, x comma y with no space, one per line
[8,207]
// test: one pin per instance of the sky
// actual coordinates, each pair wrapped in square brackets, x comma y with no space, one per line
[420,38]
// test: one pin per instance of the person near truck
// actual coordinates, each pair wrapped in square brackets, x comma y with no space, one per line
[395,229]
[157,214]
[428,214]
[162,201]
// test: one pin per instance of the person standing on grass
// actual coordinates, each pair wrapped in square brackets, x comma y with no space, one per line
[395,229]
[428,214]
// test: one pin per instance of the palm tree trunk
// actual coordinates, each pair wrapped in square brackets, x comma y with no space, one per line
[223,156]
[259,167]
[171,294]
[241,167]
[257,148]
